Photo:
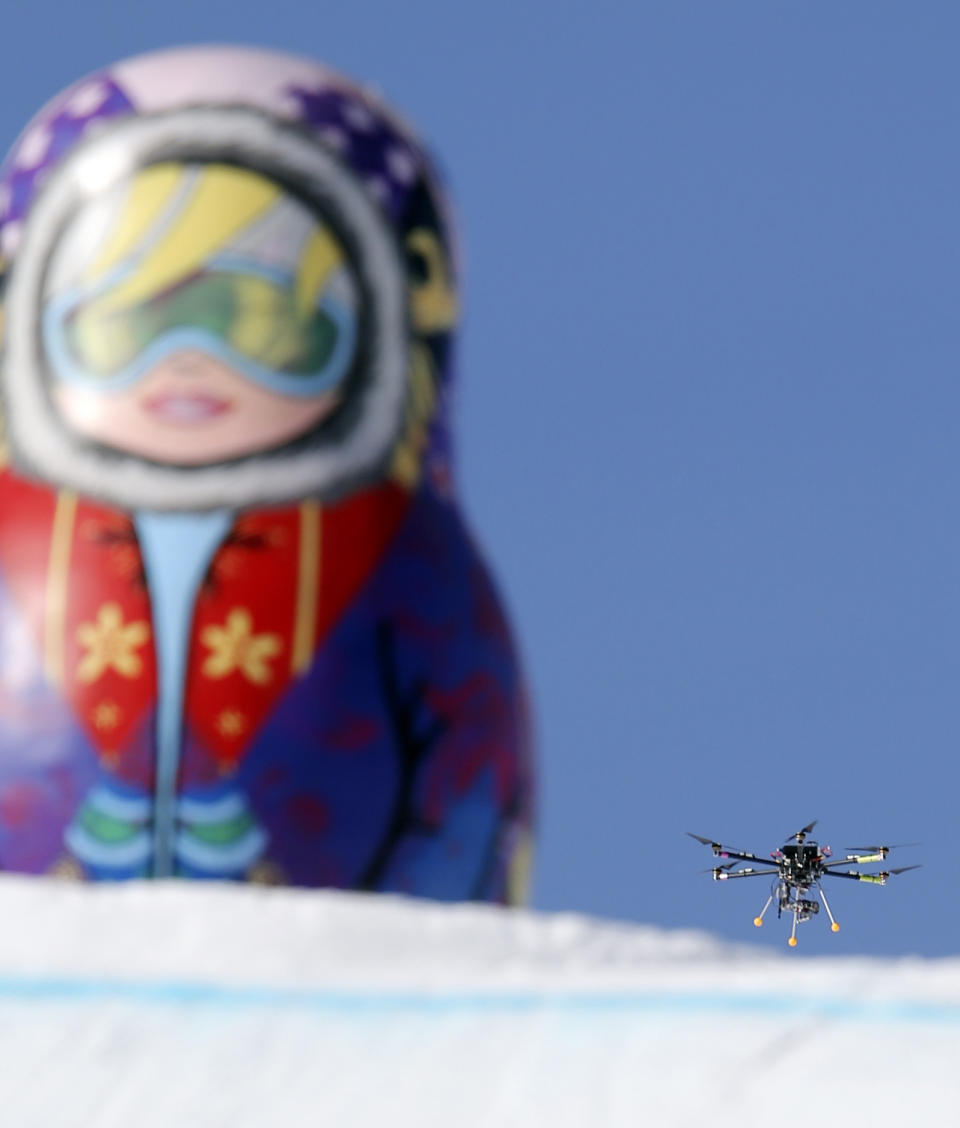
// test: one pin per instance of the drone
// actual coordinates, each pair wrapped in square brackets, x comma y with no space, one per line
[796,868]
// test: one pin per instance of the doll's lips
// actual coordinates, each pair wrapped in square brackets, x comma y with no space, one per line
[186,407]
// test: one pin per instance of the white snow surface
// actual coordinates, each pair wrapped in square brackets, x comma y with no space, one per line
[202,1006]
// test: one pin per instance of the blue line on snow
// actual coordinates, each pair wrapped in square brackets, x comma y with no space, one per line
[516,1002]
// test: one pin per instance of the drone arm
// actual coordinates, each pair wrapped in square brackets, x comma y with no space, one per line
[721,851]
[853,875]
[740,857]
[854,860]
[720,874]
[880,878]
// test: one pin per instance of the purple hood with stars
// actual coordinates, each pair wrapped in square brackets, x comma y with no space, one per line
[371,140]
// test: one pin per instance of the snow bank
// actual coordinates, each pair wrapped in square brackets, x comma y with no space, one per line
[196,1005]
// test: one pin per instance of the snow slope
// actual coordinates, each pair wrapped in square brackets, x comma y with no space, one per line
[196,1005]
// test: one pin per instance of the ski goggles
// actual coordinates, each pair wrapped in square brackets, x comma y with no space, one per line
[209,257]
[239,313]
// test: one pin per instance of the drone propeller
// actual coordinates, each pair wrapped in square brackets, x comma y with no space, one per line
[903,869]
[880,849]
[802,834]
[705,841]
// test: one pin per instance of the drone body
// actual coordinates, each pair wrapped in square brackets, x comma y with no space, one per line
[797,868]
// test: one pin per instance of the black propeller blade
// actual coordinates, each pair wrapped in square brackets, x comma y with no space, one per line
[802,834]
[705,841]
[878,849]
[903,869]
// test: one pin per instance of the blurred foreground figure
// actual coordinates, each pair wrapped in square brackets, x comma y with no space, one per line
[243,631]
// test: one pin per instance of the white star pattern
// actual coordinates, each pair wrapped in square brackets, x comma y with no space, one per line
[401,164]
[33,148]
[359,117]
[87,99]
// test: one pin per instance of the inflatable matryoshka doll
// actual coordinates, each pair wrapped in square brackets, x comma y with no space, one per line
[244,633]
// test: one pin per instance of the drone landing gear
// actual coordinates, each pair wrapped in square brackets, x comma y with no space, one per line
[834,927]
[793,928]
[758,920]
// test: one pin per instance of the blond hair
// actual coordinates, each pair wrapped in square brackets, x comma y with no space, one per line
[176,217]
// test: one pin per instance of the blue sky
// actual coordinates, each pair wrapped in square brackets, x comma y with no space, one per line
[709,408]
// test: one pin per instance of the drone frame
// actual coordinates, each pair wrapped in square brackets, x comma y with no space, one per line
[798,868]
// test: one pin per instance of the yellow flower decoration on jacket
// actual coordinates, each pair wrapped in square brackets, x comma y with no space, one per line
[231,722]
[111,644]
[106,715]
[234,646]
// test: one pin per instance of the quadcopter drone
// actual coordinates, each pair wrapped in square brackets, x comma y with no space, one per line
[797,867]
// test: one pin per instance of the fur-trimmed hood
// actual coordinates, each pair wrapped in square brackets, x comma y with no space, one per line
[332,143]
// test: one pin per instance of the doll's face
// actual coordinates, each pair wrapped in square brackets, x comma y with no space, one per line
[199,315]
